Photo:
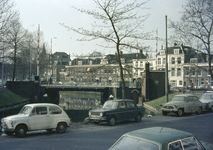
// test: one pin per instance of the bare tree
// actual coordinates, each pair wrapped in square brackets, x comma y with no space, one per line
[196,24]
[16,35]
[120,24]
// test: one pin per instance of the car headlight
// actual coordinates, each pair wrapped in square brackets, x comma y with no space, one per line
[101,114]
[89,113]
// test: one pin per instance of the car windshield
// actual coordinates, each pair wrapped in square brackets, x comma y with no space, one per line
[126,143]
[110,105]
[206,97]
[178,98]
[25,110]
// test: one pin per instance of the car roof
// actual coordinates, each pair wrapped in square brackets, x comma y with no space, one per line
[121,100]
[41,104]
[158,135]
[186,95]
[211,93]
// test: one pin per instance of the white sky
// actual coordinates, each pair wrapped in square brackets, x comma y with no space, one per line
[50,13]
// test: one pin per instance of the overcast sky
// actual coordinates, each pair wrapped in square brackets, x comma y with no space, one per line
[50,13]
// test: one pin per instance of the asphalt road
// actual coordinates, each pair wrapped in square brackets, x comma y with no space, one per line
[101,137]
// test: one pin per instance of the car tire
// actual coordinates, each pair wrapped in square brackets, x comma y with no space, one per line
[138,118]
[61,127]
[9,133]
[112,121]
[180,112]
[199,111]
[164,113]
[211,109]
[21,131]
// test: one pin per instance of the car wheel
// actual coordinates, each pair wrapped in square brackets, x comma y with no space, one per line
[9,133]
[164,113]
[112,121]
[20,131]
[211,109]
[138,118]
[61,127]
[180,112]
[199,111]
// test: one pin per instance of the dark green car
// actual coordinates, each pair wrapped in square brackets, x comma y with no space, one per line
[157,138]
[117,110]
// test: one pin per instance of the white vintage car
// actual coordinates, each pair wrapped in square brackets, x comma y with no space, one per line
[185,103]
[38,116]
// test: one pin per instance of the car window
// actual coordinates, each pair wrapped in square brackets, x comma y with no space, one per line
[130,105]
[175,146]
[122,105]
[190,98]
[178,98]
[195,98]
[40,110]
[127,143]
[54,110]
[191,144]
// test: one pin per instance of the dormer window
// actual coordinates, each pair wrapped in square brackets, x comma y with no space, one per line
[176,51]
[162,52]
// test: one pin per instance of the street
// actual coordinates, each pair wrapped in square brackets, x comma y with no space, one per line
[90,136]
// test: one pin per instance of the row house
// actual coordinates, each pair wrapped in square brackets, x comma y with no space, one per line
[104,72]
[184,66]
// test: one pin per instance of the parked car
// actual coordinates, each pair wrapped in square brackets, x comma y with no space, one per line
[157,138]
[204,87]
[207,98]
[38,116]
[117,110]
[184,103]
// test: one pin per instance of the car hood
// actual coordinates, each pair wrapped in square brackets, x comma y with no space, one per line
[18,116]
[206,101]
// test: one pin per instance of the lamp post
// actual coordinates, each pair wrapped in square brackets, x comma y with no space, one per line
[166,73]
[51,68]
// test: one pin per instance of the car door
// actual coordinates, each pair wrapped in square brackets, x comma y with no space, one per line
[39,118]
[122,112]
[132,110]
[188,106]
[196,104]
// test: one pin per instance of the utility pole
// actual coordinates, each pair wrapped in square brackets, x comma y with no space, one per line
[166,73]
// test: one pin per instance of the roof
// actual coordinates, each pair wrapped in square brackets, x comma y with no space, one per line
[158,135]
[41,104]
[186,95]
[121,100]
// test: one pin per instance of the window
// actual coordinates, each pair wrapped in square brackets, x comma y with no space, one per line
[180,82]
[130,105]
[175,145]
[179,60]
[54,110]
[176,51]
[193,71]
[40,110]
[164,60]
[199,73]
[178,71]
[159,61]
[173,72]
[122,105]
[187,71]
[173,83]
[202,80]
[173,60]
